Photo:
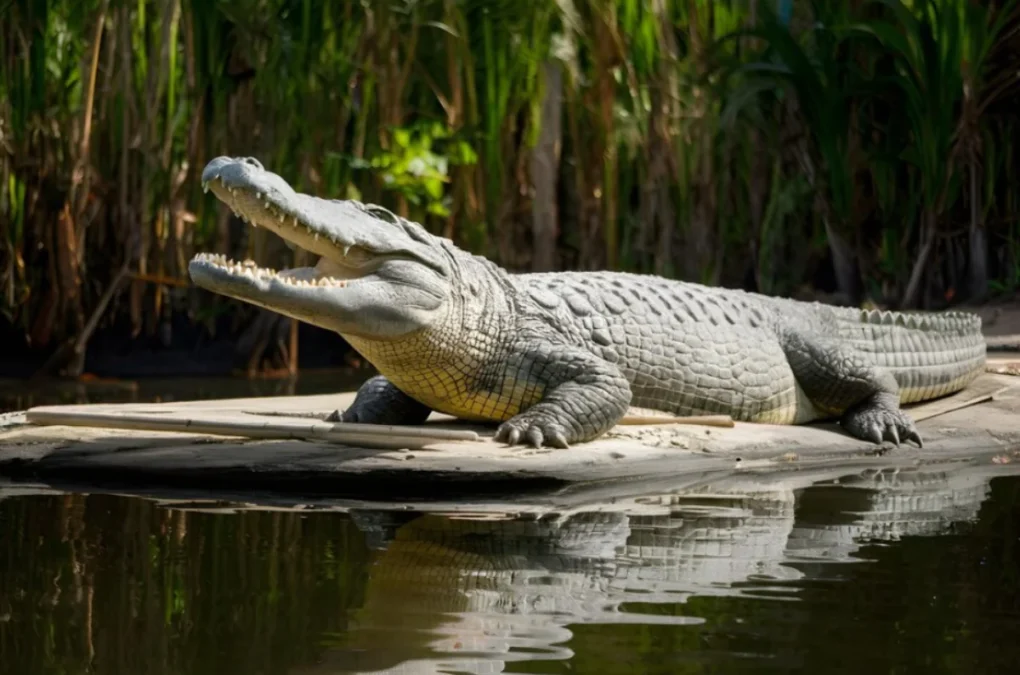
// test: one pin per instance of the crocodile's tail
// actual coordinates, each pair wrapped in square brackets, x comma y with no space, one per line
[930,355]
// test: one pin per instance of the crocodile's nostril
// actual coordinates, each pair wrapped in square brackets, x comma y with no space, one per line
[253,162]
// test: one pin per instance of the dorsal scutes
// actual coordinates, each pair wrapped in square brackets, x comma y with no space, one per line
[937,321]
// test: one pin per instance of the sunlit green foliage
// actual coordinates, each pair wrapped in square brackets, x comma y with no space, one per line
[722,141]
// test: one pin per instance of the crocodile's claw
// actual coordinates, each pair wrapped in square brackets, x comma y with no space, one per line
[533,430]
[879,419]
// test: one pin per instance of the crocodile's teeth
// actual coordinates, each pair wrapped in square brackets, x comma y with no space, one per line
[295,221]
[347,249]
[281,217]
[205,186]
[315,236]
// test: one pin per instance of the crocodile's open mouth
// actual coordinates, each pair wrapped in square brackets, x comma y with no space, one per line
[264,277]
[290,215]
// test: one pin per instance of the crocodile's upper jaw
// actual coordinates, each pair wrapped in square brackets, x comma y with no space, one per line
[379,276]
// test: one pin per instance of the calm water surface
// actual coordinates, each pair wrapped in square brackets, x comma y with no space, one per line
[922,575]
[916,571]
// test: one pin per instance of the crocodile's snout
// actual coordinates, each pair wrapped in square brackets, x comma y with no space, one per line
[248,174]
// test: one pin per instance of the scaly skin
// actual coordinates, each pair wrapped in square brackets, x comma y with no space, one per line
[557,358]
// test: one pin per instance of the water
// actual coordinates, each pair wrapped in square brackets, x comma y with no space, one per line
[16,394]
[916,571]
[909,570]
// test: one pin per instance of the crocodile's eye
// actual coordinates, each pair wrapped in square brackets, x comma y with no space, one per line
[381,213]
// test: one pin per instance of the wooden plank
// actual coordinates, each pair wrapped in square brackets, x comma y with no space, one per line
[253,426]
[320,405]
[644,416]
[294,418]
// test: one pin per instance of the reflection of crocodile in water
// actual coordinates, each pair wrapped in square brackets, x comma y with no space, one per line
[472,595]
[557,358]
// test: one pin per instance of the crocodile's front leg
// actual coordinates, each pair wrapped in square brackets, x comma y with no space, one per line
[838,378]
[584,396]
[378,401]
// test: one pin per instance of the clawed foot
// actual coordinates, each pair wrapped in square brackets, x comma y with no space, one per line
[534,430]
[878,419]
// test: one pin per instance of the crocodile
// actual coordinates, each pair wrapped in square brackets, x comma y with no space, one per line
[557,358]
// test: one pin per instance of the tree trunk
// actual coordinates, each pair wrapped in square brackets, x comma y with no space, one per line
[663,160]
[757,191]
[844,260]
[977,268]
[921,265]
[844,264]
[545,168]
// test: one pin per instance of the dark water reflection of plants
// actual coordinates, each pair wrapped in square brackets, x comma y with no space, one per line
[910,575]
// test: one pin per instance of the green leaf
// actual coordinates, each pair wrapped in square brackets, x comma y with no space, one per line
[402,137]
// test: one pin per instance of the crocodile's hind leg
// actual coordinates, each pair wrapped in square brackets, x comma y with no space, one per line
[379,402]
[838,378]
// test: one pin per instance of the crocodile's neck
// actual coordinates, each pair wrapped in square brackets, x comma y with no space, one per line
[445,364]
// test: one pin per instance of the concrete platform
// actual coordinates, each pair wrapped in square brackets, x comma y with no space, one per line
[268,451]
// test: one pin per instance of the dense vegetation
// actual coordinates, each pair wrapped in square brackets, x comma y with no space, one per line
[860,147]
